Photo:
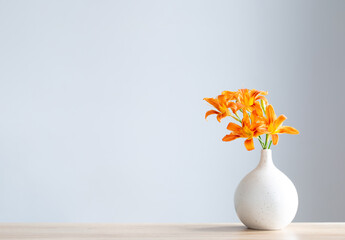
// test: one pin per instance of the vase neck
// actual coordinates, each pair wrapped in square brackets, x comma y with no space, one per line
[266,158]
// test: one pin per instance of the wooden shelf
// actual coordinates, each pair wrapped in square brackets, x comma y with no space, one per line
[106,231]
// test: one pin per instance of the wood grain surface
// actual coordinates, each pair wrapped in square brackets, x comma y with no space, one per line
[100,231]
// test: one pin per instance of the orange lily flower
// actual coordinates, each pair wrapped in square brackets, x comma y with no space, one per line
[251,128]
[274,125]
[248,99]
[230,95]
[221,104]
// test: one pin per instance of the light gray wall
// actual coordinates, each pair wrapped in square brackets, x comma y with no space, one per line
[102,113]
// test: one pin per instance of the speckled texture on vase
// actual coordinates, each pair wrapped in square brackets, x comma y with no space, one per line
[266,199]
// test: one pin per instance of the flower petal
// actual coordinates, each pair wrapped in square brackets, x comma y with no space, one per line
[230,95]
[221,98]
[249,144]
[220,116]
[271,116]
[262,98]
[234,106]
[259,130]
[230,137]
[213,102]
[258,113]
[240,105]
[257,107]
[275,139]
[288,130]
[208,113]
[234,127]
[254,93]
[245,120]
[279,121]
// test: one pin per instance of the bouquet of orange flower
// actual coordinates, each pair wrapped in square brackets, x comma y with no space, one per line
[255,116]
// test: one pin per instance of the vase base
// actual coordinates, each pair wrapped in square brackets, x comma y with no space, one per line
[264,229]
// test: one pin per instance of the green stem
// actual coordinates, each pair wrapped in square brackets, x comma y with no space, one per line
[261,142]
[269,147]
[266,141]
[238,117]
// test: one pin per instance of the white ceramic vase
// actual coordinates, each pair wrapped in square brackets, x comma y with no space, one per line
[266,199]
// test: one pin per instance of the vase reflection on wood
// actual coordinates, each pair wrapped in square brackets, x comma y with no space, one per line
[266,199]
